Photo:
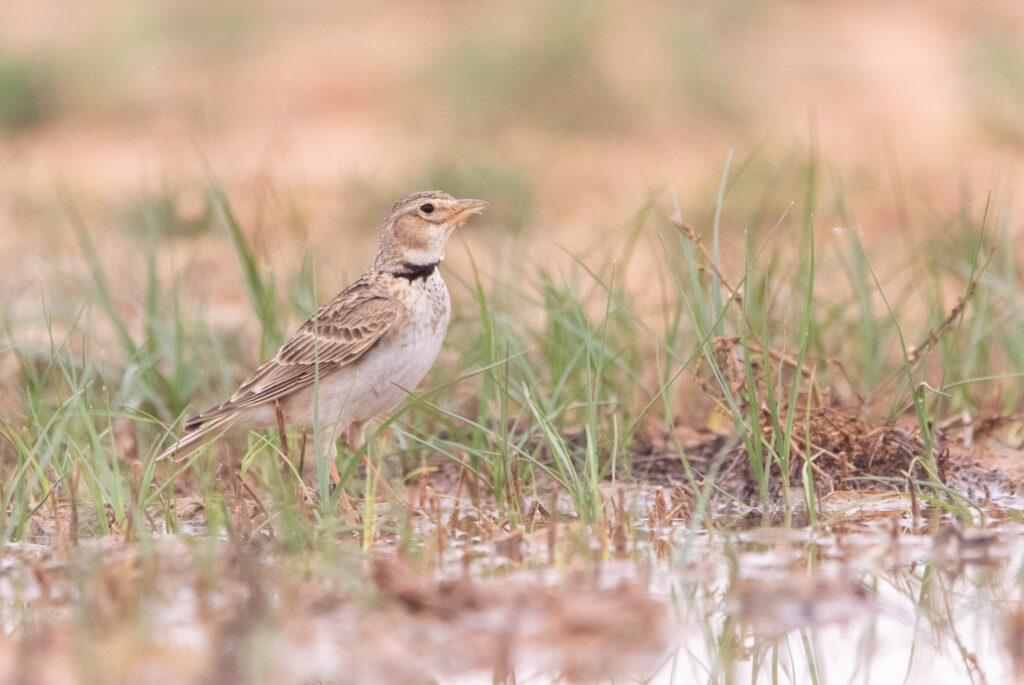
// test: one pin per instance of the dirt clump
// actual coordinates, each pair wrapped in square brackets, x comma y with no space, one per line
[847,453]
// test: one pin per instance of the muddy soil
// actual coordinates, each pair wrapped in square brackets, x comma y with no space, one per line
[976,460]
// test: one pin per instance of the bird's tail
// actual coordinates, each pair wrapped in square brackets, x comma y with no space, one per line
[196,437]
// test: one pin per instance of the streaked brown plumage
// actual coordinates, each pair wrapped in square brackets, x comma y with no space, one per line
[359,354]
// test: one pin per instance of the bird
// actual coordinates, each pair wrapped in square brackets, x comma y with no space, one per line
[356,358]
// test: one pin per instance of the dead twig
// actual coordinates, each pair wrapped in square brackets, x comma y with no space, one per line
[694,238]
[937,333]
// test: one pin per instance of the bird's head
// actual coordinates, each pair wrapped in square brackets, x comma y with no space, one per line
[417,228]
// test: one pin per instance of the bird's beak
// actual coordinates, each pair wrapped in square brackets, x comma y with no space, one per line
[465,209]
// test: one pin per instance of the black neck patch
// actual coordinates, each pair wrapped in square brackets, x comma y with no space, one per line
[413,272]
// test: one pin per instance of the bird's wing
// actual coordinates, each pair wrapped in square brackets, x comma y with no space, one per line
[339,333]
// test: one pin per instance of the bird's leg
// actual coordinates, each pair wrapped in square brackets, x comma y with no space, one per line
[355,438]
[335,485]
[329,449]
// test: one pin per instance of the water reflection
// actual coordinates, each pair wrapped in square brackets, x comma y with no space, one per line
[873,596]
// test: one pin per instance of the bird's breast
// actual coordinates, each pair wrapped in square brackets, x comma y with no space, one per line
[426,307]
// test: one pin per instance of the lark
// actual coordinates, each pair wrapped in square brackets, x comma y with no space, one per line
[360,354]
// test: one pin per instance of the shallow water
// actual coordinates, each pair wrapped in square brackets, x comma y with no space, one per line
[870,596]
[871,604]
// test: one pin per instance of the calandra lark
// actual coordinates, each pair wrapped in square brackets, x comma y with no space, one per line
[357,357]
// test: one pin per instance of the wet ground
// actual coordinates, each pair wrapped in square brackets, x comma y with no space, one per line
[883,588]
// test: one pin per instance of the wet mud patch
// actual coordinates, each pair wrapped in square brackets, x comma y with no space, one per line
[515,606]
[578,628]
[183,613]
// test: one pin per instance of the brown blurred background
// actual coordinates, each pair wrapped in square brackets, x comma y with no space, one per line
[567,116]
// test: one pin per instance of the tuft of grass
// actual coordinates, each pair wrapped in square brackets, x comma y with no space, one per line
[559,374]
[261,289]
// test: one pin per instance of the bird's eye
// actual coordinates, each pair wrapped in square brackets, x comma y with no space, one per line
[427,208]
